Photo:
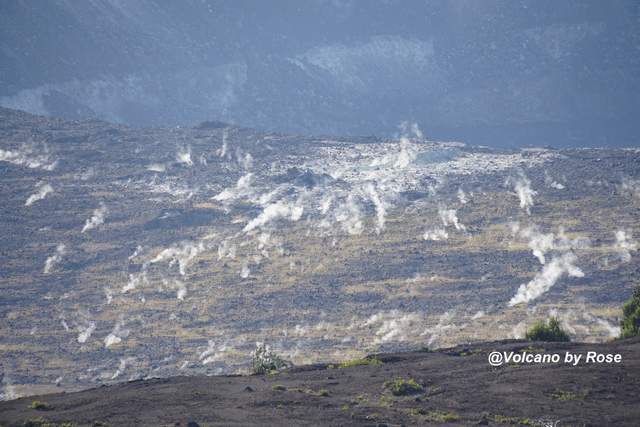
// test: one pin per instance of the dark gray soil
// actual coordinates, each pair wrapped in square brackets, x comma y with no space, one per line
[459,388]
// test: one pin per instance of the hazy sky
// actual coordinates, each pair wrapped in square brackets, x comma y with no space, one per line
[492,72]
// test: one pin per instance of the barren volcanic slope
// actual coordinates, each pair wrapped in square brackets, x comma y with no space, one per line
[136,253]
[458,388]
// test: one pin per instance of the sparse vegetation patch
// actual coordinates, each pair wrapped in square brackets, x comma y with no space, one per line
[357,362]
[505,419]
[441,416]
[401,387]
[630,323]
[547,331]
[39,405]
[568,395]
[266,361]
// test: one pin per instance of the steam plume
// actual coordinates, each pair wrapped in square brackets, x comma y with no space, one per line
[116,334]
[625,245]
[86,332]
[41,193]
[380,205]
[96,219]
[522,187]
[30,157]
[436,234]
[184,156]
[548,277]
[54,259]
[280,209]
[450,217]
[182,254]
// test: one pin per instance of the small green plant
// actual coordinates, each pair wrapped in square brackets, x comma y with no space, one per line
[279,387]
[505,419]
[401,387]
[357,362]
[41,422]
[384,401]
[468,352]
[40,406]
[266,361]
[441,417]
[547,331]
[568,395]
[416,411]
[361,398]
[630,323]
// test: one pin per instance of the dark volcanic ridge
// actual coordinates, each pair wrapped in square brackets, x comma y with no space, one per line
[457,387]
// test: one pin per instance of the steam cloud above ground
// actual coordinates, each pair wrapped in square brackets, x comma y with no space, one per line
[97,218]
[550,274]
[41,192]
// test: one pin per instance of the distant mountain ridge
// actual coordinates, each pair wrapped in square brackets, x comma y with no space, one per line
[496,72]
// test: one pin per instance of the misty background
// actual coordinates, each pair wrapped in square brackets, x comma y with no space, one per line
[500,73]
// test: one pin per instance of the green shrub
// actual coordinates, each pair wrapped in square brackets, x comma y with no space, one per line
[568,395]
[40,406]
[41,422]
[357,362]
[630,323]
[401,387]
[441,416]
[266,361]
[547,331]
[505,419]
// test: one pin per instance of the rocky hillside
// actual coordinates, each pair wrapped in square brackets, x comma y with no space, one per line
[135,253]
